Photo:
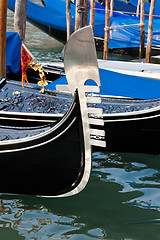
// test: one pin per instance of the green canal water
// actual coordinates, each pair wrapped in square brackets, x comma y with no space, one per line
[121,200]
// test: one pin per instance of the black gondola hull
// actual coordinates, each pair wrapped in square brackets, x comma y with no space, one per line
[137,136]
[50,161]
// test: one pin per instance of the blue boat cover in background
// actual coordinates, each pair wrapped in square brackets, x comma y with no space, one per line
[118,6]
[118,84]
[147,6]
[53,15]
[13,52]
[131,7]
[124,7]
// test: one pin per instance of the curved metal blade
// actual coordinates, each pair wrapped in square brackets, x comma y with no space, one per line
[80,59]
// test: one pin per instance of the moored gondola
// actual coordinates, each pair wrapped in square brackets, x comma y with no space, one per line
[43,157]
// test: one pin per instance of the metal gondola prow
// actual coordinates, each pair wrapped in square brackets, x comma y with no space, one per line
[80,62]
[80,59]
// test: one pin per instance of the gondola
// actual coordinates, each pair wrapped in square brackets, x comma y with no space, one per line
[39,156]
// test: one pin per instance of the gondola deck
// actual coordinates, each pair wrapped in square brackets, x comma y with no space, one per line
[30,100]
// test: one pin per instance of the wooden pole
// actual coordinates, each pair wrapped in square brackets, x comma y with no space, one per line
[106,37]
[68,18]
[3,26]
[138,7]
[85,13]
[20,18]
[111,8]
[78,14]
[142,29]
[150,31]
[92,13]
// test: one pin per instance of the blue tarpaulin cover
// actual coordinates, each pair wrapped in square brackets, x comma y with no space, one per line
[147,6]
[118,6]
[124,7]
[118,84]
[13,52]
[55,17]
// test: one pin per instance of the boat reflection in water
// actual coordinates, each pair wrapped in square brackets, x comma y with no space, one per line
[121,201]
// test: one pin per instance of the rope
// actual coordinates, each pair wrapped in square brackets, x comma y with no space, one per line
[123,26]
[131,13]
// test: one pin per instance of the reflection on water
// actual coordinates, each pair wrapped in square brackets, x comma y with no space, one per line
[133,177]
[121,201]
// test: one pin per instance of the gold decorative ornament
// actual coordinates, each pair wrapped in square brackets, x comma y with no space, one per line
[42,83]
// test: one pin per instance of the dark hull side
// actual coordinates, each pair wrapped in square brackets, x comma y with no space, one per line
[139,136]
[132,125]
[49,163]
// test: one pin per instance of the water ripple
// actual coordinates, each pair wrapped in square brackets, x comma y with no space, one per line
[132,176]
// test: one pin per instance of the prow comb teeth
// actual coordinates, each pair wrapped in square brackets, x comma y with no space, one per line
[95,114]
[81,69]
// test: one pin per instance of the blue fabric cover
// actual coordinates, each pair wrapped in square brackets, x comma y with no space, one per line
[147,6]
[125,7]
[120,5]
[118,84]
[55,17]
[13,52]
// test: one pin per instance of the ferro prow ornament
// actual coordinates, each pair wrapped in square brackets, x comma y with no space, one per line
[81,64]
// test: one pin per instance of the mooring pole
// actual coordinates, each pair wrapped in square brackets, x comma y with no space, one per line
[150,31]
[111,8]
[85,13]
[68,18]
[92,13]
[20,18]
[78,14]
[106,36]
[3,26]
[138,7]
[142,30]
